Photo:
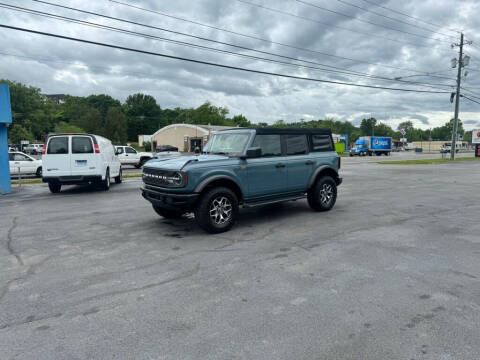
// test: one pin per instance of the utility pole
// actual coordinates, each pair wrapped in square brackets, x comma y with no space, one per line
[457,97]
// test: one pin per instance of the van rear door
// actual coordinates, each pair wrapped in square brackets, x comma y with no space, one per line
[83,158]
[56,161]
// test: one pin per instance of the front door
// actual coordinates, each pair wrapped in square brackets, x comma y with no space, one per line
[267,174]
[131,156]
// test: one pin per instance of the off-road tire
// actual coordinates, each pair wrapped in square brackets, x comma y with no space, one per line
[166,213]
[119,178]
[54,187]
[217,210]
[323,195]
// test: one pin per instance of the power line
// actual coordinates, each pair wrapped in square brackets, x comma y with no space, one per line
[407,15]
[112,46]
[466,97]
[128,32]
[256,37]
[177,42]
[393,19]
[329,25]
[365,21]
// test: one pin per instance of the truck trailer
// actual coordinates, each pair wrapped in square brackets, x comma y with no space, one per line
[370,145]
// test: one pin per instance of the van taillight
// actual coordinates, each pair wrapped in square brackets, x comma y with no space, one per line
[44,149]
[97,150]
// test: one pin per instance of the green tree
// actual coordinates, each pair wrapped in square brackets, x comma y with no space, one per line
[17,133]
[367,126]
[143,115]
[102,103]
[115,125]
[63,127]
[90,120]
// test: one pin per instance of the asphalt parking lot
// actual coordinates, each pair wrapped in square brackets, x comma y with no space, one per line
[392,272]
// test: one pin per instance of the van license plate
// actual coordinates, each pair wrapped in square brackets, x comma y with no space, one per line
[81,162]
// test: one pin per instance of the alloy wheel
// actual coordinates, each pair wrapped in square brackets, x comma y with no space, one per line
[221,210]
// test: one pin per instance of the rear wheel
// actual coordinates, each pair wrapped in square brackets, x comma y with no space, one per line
[119,178]
[106,182]
[323,195]
[54,187]
[217,210]
[39,172]
[167,214]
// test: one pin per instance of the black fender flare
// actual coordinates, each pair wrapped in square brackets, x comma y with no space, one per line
[204,183]
[318,171]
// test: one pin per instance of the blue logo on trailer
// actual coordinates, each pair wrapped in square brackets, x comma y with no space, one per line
[381,143]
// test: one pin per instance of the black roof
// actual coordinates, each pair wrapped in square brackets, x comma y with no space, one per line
[286,131]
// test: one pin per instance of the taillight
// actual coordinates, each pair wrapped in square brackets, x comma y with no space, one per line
[44,149]
[97,150]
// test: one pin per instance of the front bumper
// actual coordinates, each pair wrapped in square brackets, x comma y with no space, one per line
[73,179]
[167,200]
[339,180]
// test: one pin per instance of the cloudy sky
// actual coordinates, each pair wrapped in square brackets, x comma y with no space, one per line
[340,36]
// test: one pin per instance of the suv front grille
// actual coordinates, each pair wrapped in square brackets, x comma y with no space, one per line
[156,177]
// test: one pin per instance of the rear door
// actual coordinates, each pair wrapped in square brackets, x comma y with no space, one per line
[267,175]
[299,163]
[56,161]
[83,158]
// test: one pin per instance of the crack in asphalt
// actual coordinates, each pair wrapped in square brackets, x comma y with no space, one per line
[181,276]
[9,242]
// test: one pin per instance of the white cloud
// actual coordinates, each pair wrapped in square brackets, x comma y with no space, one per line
[60,66]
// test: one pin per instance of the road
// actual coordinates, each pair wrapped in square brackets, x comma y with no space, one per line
[392,272]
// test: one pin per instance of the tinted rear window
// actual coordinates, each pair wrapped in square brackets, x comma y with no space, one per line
[81,145]
[296,144]
[321,143]
[58,145]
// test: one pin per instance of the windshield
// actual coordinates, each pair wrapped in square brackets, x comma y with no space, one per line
[226,144]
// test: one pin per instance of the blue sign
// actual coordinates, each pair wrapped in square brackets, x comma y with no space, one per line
[403,132]
[381,143]
[5,118]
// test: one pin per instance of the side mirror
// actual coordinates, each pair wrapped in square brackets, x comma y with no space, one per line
[197,150]
[254,152]
[117,152]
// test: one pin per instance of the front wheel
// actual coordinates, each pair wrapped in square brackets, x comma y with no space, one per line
[217,210]
[323,195]
[167,214]
[39,172]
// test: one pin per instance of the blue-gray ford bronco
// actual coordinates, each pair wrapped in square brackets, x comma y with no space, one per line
[245,167]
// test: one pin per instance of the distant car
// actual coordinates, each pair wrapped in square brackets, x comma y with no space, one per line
[33,149]
[129,156]
[166,150]
[22,164]
[73,159]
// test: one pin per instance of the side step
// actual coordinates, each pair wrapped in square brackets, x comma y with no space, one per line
[273,201]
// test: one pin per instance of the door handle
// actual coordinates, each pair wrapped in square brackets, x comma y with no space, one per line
[280,165]
[309,162]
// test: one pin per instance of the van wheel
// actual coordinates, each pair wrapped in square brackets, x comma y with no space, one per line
[323,195]
[106,182]
[54,187]
[217,210]
[167,214]
[119,178]
[39,172]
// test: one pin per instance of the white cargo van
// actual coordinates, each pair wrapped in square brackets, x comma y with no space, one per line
[78,159]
